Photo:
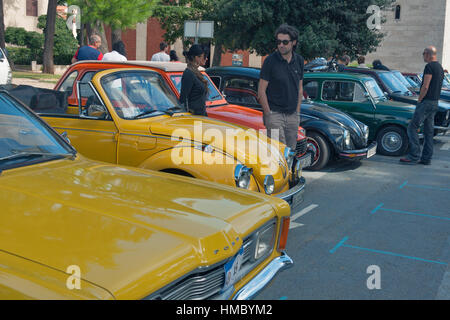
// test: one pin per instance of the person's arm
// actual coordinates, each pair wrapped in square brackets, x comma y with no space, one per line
[186,86]
[75,57]
[300,96]
[262,95]
[427,75]
[100,56]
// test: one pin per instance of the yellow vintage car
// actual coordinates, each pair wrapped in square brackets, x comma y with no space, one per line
[73,228]
[130,116]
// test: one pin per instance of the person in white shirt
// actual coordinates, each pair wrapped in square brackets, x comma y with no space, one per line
[162,55]
[118,54]
[362,62]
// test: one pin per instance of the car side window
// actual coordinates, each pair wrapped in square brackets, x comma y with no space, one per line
[216,80]
[86,78]
[91,105]
[67,85]
[311,88]
[241,90]
[338,91]
[360,94]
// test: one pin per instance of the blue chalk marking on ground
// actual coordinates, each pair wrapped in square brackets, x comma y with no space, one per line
[413,213]
[377,208]
[283,298]
[403,185]
[428,187]
[338,245]
[395,254]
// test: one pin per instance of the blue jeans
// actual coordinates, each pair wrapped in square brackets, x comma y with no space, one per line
[425,112]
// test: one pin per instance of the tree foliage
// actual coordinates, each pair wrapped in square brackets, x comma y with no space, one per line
[327,27]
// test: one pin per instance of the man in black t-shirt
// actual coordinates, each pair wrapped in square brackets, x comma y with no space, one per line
[280,91]
[426,109]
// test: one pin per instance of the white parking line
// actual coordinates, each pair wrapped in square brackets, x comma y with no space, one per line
[446,146]
[299,214]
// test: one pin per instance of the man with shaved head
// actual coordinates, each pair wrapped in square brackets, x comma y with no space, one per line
[426,109]
[89,52]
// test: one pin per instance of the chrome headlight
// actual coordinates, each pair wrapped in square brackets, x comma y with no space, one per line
[289,156]
[242,176]
[265,241]
[448,115]
[347,138]
[269,184]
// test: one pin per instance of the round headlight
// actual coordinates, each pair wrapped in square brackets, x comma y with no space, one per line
[269,184]
[242,176]
[289,156]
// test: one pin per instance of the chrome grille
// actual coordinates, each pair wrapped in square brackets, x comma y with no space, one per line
[301,147]
[197,286]
[248,249]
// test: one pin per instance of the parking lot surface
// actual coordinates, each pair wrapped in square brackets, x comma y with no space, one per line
[375,218]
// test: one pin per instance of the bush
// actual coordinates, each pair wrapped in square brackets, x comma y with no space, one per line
[20,55]
[16,36]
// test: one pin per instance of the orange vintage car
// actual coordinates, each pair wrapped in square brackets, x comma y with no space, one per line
[217,106]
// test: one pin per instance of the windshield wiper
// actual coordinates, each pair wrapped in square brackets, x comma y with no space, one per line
[28,155]
[150,112]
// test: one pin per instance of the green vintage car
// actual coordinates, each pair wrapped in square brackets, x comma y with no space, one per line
[362,98]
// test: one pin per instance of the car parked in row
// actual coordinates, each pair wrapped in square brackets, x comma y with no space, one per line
[415,81]
[330,132]
[360,96]
[130,116]
[121,232]
[394,89]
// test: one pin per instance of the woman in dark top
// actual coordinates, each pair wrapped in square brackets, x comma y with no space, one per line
[194,87]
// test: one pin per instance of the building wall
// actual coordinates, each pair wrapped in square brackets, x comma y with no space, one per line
[446,45]
[421,24]
[15,14]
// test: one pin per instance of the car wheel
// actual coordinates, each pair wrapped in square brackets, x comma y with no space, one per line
[392,141]
[322,150]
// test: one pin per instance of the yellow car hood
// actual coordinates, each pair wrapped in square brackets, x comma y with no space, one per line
[130,231]
[250,148]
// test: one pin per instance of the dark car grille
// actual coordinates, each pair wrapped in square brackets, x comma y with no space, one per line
[439,119]
[301,147]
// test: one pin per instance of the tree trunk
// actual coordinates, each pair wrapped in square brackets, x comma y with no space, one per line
[98,29]
[50,37]
[2,26]
[217,54]
[116,35]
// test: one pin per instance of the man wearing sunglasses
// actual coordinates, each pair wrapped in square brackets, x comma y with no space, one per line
[426,109]
[280,91]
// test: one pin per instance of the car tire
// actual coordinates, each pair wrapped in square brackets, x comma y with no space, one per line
[323,151]
[392,141]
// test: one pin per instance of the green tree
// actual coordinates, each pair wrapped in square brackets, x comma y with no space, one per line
[327,27]
[65,44]
[118,14]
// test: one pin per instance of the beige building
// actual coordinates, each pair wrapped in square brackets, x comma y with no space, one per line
[24,13]
[411,26]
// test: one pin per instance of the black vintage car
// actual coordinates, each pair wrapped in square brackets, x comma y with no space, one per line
[397,91]
[330,132]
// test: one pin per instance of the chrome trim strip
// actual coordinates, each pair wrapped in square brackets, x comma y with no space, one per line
[365,150]
[255,285]
[442,128]
[65,128]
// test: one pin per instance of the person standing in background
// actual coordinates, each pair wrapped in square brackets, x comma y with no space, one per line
[89,52]
[162,55]
[174,56]
[194,86]
[118,52]
[427,106]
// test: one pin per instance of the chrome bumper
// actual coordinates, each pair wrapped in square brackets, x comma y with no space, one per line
[255,285]
[441,129]
[357,154]
[294,196]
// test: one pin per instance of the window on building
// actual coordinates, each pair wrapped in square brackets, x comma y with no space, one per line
[397,12]
[32,8]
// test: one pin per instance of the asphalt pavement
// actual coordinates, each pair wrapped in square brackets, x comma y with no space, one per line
[374,229]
